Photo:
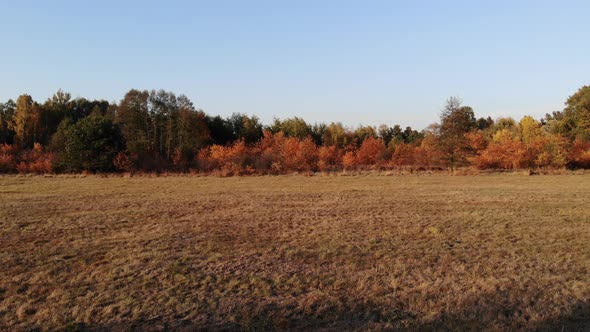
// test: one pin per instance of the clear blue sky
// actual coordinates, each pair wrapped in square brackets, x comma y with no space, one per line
[360,62]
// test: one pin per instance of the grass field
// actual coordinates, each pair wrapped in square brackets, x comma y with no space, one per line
[492,252]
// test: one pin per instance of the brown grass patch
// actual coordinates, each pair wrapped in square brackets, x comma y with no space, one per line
[291,252]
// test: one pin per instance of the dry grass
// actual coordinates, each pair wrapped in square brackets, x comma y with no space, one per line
[494,252]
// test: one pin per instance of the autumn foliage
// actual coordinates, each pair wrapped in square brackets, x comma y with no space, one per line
[35,161]
[7,158]
[579,154]
[276,153]
[157,131]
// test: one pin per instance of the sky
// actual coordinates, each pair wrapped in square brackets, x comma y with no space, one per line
[357,62]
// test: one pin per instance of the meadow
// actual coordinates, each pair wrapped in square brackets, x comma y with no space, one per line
[412,252]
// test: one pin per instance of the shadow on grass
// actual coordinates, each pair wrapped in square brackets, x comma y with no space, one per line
[488,316]
[577,320]
[329,315]
[507,318]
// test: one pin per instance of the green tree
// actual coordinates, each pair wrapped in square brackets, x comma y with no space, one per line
[386,133]
[455,121]
[220,130]
[335,134]
[364,132]
[484,123]
[292,127]
[80,108]
[52,112]
[90,144]
[246,127]
[191,130]
[58,140]
[134,120]
[317,133]
[7,111]
[397,135]
[163,113]
[575,120]
[412,136]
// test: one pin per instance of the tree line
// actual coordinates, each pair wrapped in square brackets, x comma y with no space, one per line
[157,131]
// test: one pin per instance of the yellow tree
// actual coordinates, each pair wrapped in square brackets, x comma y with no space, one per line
[530,129]
[25,121]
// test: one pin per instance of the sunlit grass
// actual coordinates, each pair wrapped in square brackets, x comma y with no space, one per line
[292,252]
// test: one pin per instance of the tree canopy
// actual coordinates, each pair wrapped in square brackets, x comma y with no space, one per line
[157,130]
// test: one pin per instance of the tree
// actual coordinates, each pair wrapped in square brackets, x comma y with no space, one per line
[162,129]
[7,158]
[530,129]
[429,154]
[550,151]
[52,112]
[293,127]
[58,140]
[504,152]
[80,108]
[484,123]
[328,158]
[364,132]
[191,131]
[246,127]
[336,134]
[251,130]
[385,133]
[317,133]
[7,111]
[231,160]
[397,135]
[575,121]
[25,122]
[371,151]
[412,136]
[221,130]
[268,152]
[35,161]
[349,160]
[91,144]
[163,113]
[403,155]
[500,124]
[157,130]
[133,118]
[455,121]
[579,155]
[290,153]
[307,155]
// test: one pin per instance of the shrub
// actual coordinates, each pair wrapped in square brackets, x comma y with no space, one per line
[327,158]
[36,161]
[579,155]
[371,152]
[349,161]
[7,158]
[123,162]
[404,155]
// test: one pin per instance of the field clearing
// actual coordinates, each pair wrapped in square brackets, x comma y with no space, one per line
[409,252]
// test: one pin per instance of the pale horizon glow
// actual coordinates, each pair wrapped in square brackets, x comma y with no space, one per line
[369,63]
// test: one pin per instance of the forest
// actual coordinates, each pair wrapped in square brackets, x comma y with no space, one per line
[158,131]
